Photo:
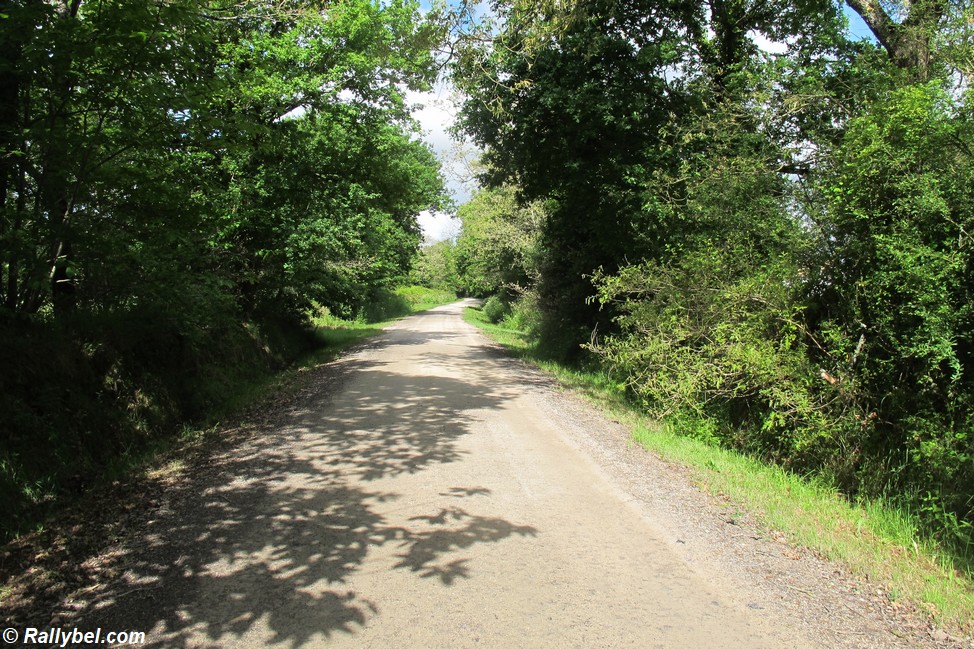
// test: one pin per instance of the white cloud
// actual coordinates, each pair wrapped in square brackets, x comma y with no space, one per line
[436,112]
[765,44]
[438,226]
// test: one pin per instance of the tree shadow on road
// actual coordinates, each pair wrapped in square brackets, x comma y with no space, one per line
[426,547]
[266,536]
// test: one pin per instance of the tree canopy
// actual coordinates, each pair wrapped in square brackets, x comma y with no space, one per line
[181,182]
[766,244]
[248,142]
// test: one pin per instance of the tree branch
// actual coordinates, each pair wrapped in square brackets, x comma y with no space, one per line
[878,22]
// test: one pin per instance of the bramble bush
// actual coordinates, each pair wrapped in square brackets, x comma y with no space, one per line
[712,342]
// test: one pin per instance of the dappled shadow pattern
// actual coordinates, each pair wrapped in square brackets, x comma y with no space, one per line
[425,548]
[393,424]
[270,533]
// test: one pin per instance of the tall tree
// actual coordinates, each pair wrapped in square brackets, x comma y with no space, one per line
[497,252]
[135,130]
[908,30]
[181,180]
[583,103]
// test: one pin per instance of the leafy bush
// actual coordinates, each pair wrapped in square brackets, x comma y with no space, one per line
[384,304]
[525,315]
[495,309]
[421,298]
[89,394]
[894,291]
[726,349]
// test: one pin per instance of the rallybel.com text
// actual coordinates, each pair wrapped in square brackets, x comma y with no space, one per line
[68,637]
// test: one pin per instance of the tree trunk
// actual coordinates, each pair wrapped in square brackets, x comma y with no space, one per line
[908,43]
[56,188]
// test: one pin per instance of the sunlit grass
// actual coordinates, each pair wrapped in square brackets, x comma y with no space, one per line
[335,336]
[515,341]
[873,539]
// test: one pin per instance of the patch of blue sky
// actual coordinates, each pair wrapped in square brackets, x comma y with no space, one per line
[858,29]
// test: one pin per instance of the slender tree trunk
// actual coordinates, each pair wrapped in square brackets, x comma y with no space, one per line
[56,190]
[727,49]
[13,272]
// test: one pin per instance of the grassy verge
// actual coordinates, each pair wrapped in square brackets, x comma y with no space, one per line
[873,539]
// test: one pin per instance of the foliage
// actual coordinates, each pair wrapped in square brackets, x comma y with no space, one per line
[720,345]
[495,309]
[771,249]
[436,266]
[388,304]
[100,390]
[497,250]
[180,183]
[894,290]
[421,298]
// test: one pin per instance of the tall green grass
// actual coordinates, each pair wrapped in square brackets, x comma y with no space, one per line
[873,539]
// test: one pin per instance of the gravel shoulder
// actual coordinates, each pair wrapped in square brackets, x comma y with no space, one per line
[427,490]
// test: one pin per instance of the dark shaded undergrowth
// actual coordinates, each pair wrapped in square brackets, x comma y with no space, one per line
[86,398]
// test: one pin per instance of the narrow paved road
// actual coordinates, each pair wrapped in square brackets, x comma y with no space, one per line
[427,495]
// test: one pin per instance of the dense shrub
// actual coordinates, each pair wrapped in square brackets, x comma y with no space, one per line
[495,309]
[524,315]
[781,243]
[387,303]
[849,353]
[709,340]
[892,288]
[384,304]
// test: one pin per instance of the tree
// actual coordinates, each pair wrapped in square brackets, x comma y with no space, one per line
[779,241]
[568,118]
[908,31]
[497,250]
[581,104]
[435,267]
[113,105]
[180,181]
